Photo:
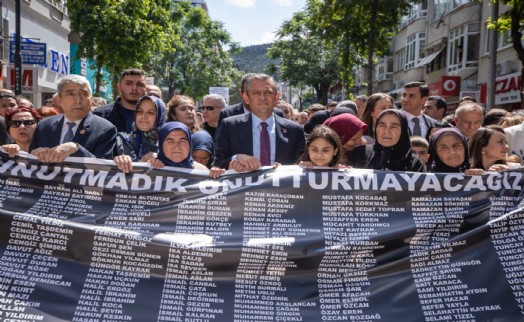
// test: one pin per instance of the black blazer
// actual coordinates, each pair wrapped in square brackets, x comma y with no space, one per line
[113,113]
[235,136]
[95,136]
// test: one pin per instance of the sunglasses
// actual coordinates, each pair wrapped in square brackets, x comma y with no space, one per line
[26,123]
[209,108]
[7,94]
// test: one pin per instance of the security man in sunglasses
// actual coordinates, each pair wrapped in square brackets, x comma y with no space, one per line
[212,105]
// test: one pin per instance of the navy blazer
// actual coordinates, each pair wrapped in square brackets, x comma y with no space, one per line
[235,136]
[95,136]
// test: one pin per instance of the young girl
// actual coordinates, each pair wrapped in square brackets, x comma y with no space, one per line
[323,149]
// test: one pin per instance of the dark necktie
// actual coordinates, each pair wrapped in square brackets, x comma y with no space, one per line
[416,127]
[265,146]
[69,134]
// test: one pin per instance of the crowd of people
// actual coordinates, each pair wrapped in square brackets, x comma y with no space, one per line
[369,132]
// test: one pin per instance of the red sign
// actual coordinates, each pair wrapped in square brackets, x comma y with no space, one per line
[507,89]
[27,80]
[450,85]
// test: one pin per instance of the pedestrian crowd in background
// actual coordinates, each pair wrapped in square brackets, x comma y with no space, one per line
[261,130]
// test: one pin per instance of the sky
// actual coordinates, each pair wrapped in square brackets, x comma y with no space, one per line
[253,22]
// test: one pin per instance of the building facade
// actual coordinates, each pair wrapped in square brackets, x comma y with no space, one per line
[44,28]
[445,43]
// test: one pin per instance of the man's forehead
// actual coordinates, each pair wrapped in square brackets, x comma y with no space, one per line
[73,87]
[259,84]
[134,78]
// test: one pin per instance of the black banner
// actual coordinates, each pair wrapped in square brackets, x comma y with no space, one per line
[81,241]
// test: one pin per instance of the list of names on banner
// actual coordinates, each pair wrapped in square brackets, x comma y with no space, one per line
[443,293]
[507,237]
[29,259]
[350,223]
[268,231]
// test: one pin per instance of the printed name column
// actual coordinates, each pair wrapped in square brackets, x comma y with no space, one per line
[119,262]
[349,226]
[28,263]
[442,291]
[189,290]
[507,238]
[249,304]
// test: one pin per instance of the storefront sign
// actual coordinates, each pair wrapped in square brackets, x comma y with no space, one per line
[29,77]
[507,89]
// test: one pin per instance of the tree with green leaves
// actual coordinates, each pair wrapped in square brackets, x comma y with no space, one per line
[364,28]
[306,60]
[119,34]
[512,20]
[199,58]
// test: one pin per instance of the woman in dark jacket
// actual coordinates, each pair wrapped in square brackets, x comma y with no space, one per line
[392,149]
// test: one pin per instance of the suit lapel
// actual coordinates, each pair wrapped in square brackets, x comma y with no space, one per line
[281,137]
[83,129]
[245,126]
[56,127]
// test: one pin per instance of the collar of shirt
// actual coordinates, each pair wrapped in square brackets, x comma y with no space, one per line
[65,127]
[422,122]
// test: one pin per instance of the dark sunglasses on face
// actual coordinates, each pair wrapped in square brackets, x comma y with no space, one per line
[209,108]
[26,123]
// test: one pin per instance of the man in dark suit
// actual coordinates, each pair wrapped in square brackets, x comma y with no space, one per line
[260,138]
[77,132]
[242,107]
[414,97]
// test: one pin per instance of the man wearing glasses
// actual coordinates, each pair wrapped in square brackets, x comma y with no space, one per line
[212,105]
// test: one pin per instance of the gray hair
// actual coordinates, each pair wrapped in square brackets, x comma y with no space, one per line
[219,99]
[469,107]
[75,79]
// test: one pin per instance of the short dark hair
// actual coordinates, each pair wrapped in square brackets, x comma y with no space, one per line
[132,72]
[440,102]
[424,89]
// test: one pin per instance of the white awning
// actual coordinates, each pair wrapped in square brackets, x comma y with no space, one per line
[428,59]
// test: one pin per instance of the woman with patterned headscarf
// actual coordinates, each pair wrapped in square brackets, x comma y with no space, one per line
[141,145]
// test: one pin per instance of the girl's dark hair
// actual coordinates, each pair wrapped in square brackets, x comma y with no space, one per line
[324,132]
[481,139]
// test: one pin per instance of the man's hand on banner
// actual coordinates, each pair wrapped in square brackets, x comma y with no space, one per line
[56,154]
[244,163]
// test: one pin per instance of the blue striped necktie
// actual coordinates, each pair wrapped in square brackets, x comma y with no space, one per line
[69,134]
